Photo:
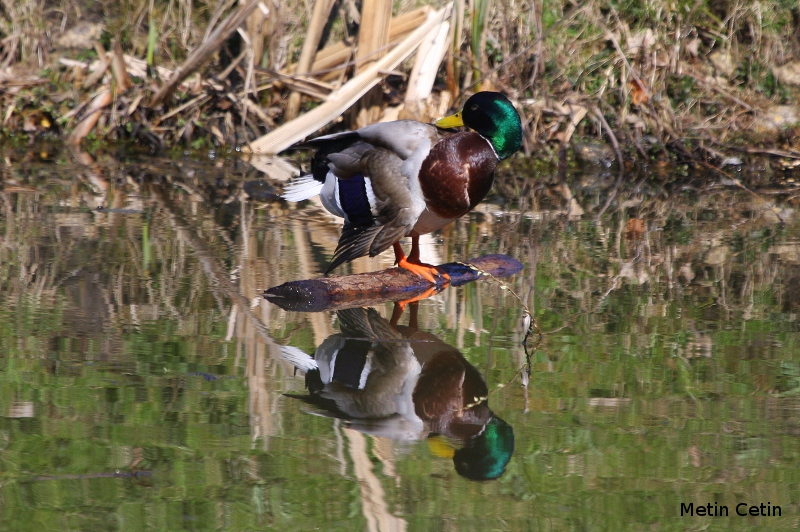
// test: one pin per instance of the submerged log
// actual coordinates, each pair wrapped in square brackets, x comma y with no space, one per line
[367,289]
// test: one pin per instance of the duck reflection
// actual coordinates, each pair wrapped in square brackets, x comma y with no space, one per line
[405,384]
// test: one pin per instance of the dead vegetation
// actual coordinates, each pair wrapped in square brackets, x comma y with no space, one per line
[680,80]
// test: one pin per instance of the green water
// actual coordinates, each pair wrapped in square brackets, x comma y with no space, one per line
[142,384]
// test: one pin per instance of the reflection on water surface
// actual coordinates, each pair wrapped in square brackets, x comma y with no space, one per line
[144,381]
[404,384]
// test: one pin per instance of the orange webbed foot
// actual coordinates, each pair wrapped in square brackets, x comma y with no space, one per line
[413,264]
[426,271]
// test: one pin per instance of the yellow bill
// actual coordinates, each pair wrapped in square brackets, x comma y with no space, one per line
[439,446]
[450,121]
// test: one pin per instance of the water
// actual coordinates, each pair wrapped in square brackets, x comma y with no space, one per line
[144,381]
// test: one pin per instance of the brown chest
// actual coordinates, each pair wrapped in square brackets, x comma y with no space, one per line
[457,174]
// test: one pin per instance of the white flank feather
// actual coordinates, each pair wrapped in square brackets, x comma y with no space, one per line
[301,188]
[298,358]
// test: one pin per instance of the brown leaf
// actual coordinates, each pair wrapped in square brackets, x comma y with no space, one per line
[638,92]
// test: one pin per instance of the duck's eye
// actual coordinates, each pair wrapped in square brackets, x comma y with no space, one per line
[473,107]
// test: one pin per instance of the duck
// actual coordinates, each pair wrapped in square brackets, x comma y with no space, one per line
[405,178]
[405,384]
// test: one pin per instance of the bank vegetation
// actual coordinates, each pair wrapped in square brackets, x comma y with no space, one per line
[709,83]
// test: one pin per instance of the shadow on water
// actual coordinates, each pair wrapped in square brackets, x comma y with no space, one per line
[144,379]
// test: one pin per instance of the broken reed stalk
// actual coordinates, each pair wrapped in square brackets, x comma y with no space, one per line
[329,62]
[373,36]
[121,79]
[345,96]
[322,10]
[200,54]
[478,37]
[257,25]
[306,85]
[101,101]
[96,75]
[429,57]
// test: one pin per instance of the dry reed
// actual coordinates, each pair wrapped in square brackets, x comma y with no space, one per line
[656,80]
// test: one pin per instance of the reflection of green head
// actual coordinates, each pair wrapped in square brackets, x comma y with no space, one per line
[485,457]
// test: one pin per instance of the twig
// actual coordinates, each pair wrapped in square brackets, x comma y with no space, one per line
[200,54]
[620,162]
[248,104]
[718,89]
[307,85]
[199,100]
[612,137]
[227,72]
[530,322]
[790,154]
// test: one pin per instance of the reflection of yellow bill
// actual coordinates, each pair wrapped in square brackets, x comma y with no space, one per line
[450,121]
[440,447]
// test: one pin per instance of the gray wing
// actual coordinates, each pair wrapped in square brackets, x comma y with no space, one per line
[397,207]
[403,137]
[342,152]
[390,154]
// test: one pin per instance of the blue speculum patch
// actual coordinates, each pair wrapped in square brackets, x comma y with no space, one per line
[354,201]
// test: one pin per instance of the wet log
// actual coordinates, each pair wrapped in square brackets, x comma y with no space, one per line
[374,288]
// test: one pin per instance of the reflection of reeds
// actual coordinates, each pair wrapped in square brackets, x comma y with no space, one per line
[577,281]
[716,316]
[373,496]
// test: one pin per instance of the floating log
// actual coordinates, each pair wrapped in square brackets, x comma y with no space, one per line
[374,288]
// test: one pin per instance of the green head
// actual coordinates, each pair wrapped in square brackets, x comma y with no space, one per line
[486,457]
[493,116]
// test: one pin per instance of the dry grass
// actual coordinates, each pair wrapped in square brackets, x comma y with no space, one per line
[654,79]
[23,31]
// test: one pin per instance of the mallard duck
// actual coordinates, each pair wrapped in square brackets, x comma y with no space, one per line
[405,384]
[394,179]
